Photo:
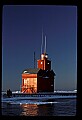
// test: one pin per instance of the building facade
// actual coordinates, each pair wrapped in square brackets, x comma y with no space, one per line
[40,79]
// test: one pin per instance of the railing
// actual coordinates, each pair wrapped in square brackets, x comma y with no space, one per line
[31,88]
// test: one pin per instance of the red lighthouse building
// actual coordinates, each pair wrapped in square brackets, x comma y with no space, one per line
[40,79]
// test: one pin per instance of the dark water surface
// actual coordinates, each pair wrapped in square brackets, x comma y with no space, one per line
[58,107]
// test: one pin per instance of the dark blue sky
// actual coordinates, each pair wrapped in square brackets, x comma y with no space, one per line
[22,35]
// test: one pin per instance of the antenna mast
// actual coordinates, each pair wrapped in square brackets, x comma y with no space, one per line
[45,46]
[34,59]
[42,41]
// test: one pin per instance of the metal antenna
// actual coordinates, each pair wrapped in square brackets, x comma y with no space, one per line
[45,46]
[34,59]
[42,42]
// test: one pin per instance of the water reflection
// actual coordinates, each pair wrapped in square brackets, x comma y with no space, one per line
[35,110]
[63,107]
[29,109]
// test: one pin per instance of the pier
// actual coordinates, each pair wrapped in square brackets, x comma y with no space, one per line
[42,95]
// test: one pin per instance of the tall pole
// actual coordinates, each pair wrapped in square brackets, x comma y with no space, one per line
[45,46]
[42,42]
[34,59]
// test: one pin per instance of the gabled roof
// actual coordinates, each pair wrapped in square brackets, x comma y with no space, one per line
[31,71]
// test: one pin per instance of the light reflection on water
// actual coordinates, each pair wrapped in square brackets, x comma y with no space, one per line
[60,107]
[29,110]
[34,110]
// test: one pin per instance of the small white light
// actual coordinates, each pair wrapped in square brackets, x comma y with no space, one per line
[41,62]
[25,71]
[42,55]
[48,63]
[46,56]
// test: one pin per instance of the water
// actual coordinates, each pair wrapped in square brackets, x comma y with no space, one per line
[57,107]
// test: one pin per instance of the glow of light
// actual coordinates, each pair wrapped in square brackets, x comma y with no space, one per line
[46,56]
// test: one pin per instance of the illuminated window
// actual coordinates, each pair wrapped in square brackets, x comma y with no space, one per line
[47,63]
[25,81]
[41,62]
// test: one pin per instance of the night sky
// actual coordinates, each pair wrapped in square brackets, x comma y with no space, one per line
[22,35]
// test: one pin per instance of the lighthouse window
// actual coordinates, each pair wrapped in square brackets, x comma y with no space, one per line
[48,63]
[41,62]
[25,81]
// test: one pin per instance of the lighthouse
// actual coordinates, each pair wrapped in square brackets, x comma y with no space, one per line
[40,79]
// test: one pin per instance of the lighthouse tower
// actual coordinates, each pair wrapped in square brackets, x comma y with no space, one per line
[40,79]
